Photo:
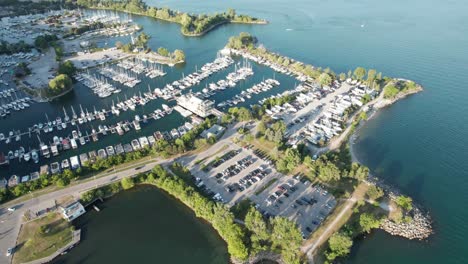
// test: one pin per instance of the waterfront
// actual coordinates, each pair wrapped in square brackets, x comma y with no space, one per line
[416,144]
[166,231]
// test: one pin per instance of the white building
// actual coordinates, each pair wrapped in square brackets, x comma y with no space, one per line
[202,108]
[72,211]
[214,131]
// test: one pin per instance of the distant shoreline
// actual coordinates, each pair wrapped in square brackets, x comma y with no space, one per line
[207,30]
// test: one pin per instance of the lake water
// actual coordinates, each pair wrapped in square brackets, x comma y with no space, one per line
[145,225]
[416,144]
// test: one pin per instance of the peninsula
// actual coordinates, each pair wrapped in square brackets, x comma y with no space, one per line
[191,25]
[272,171]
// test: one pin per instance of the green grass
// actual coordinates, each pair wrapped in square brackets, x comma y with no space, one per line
[264,187]
[33,244]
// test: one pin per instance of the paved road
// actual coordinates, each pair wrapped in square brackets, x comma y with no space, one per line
[309,249]
[310,113]
[10,222]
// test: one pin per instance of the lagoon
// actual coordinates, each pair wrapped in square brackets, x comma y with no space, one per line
[145,225]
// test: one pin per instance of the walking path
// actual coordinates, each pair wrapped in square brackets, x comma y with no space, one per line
[310,248]
[10,222]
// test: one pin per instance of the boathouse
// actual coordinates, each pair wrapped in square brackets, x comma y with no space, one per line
[72,210]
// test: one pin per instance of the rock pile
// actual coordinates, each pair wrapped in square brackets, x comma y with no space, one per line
[419,228]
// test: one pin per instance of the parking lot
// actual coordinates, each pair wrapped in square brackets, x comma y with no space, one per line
[242,173]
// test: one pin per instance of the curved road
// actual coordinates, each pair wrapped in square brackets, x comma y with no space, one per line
[10,222]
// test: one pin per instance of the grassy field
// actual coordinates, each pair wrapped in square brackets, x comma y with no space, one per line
[265,146]
[42,237]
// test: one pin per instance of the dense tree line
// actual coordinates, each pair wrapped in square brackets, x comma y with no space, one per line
[392,89]
[59,180]
[277,234]
[11,48]
[339,245]
[19,8]
[43,42]
[333,166]
[67,68]
[247,41]
[162,148]
[177,55]
[191,24]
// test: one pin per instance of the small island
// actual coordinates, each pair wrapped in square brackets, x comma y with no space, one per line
[192,25]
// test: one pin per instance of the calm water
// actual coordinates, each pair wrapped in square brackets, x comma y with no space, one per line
[418,145]
[145,226]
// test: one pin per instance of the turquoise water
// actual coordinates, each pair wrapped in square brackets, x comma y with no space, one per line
[418,144]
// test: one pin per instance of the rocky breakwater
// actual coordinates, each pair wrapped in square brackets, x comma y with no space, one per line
[418,228]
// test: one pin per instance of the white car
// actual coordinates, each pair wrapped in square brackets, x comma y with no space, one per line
[9,251]
[11,209]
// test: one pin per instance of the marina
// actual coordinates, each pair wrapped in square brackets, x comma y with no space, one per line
[127,104]
[79,127]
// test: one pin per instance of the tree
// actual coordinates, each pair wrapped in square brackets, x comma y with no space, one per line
[61,182]
[186,20]
[127,183]
[368,222]
[43,229]
[261,128]
[390,91]
[258,228]
[371,76]
[231,13]
[374,192]
[359,73]
[42,42]
[339,245]
[179,55]
[22,70]
[325,79]
[329,172]
[163,52]
[358,171]
[240,113]
[289,160]
[342,76]
[59,84]
[67,68]
[142,40]
[404,202]
[287,238]
[3,195]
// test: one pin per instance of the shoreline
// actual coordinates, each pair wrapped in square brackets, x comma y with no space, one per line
[260,22]
[420,227]
[207,30]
